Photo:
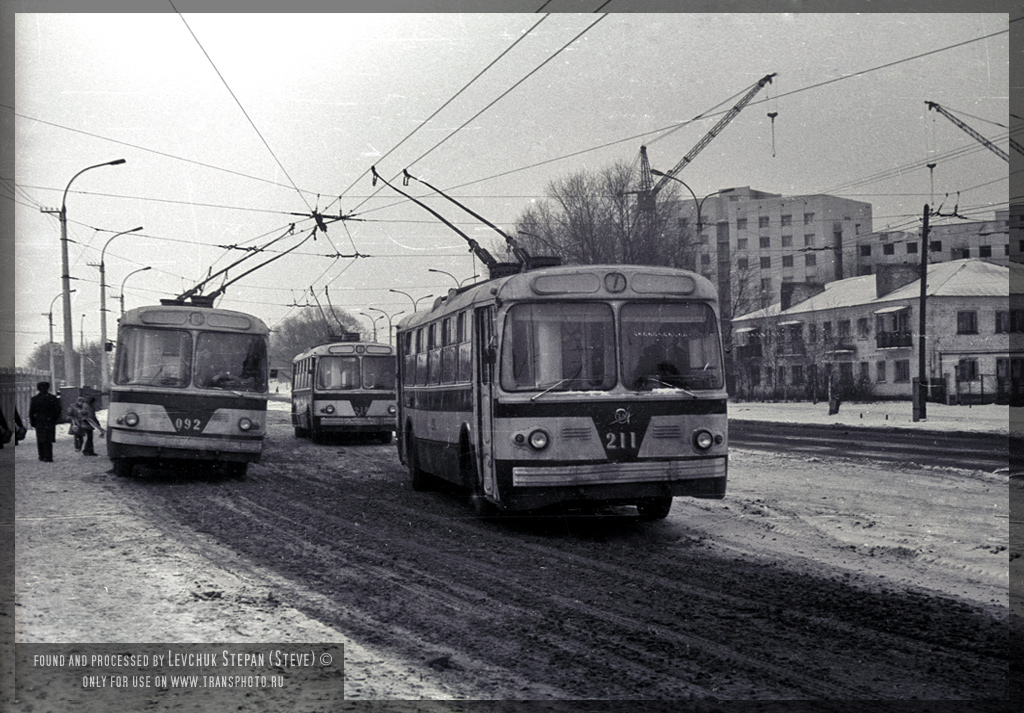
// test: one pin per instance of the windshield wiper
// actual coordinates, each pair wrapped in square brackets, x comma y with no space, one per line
[551,388]
[668,385]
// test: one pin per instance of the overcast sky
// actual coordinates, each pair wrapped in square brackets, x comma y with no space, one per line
[235,126]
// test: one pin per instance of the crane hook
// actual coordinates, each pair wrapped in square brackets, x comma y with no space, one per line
[772,115]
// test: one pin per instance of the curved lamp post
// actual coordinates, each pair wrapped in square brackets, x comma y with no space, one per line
[373,321]
[53,370]
[414,300]
[141,269]
[66,276]
[389,316]
[458,283]
[104,361]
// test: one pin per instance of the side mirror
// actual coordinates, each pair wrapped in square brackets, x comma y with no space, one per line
[273,373]
[109,347]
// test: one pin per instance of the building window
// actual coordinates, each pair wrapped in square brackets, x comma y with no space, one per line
[826,331]
[766,242]
[843,327]
[911,248]
[961,253]
[967,370]
[889,249]
[797,375]
[705,259]
[808,239]
[865,250]
[1010,321]
[766,284]
[812,334]
[742,263]
[766,263]
[741,244]
[787,220]
[808,218]
[862,327]
[902,370]
[780,376]
[683,223]
[865,371]
[880,371]
[787,241]
[787,261]
[810,260]
[762,221]
[984,251]
[967,322]
[741,224]
[935,246]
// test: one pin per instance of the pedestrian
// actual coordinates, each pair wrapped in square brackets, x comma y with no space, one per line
[75,422]
[88,424]
[44,412]
[19,428]
[6,434]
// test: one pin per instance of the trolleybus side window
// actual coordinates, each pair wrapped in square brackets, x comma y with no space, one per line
[421,359]
[670,345]
[463,338]
[231,361]
[154,357]
[563,346]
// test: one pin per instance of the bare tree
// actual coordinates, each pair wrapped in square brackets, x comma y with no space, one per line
[309,327]
[592,218]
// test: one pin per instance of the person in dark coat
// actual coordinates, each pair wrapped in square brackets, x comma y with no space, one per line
[44,412]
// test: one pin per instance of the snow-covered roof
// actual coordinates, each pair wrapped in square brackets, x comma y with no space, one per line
[973,277]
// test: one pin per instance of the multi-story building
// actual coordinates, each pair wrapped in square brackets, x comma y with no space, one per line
[952,241]
[751,242]
[861,336]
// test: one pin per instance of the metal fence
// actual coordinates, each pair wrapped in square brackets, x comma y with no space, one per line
[17,387]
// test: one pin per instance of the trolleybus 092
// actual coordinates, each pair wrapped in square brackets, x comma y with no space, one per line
[190,383]
[571,385]
[344,387]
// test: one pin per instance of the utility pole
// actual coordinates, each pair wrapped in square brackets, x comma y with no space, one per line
[920,410]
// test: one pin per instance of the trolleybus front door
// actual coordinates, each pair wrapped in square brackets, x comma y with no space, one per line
[485,356]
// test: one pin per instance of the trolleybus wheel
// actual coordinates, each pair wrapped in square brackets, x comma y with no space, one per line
[654,508]
[123,467]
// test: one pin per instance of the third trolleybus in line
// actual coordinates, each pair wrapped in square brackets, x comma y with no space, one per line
[579,385]
[344,387]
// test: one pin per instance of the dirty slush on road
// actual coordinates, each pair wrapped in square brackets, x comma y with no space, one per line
[605,607]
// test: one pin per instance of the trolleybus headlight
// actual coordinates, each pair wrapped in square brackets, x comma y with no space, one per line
[245,424]
[329,408]
[703,440]
[131,419]
[391,410]
[539,440]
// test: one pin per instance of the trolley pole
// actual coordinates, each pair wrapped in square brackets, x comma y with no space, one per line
[920,393]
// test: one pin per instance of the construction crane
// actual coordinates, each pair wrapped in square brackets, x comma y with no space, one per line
[977,137]
[648,190]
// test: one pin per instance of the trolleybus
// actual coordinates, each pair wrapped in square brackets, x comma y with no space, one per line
[344,387]
[580,386]
[189,384]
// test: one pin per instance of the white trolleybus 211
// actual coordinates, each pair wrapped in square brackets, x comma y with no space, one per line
[581,386]
[344,387]
[189,384]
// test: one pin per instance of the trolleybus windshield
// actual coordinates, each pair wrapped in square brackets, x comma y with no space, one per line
[670,344]
[154,357]
[237,362]
[348,373]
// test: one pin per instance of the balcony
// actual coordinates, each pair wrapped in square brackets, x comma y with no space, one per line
[894,340]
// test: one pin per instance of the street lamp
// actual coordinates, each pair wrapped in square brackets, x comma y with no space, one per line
[66,276]
[373,321]
[389,316]
[458,283]
[104,361]
[81,353]
[414,300]
[141,269]
[53,371]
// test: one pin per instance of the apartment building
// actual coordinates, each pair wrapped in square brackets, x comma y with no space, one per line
[861,336]
[751,242]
